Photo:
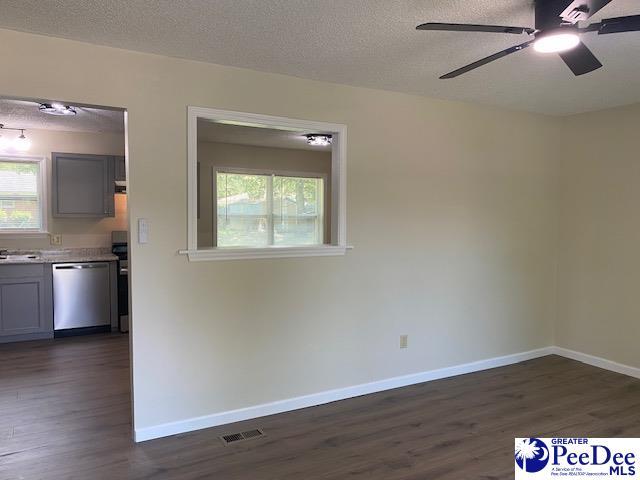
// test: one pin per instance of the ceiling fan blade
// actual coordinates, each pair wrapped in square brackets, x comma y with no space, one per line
[580,10]
[580,60]
[489,59]
[620,25]
[464,27]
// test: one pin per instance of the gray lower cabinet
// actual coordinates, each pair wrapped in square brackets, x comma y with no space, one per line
[82,185]
[25,302]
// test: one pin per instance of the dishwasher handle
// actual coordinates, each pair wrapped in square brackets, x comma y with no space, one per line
[79,266]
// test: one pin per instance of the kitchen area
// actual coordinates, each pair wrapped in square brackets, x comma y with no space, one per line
[63,221]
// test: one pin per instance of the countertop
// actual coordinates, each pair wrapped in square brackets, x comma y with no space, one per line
[67,255]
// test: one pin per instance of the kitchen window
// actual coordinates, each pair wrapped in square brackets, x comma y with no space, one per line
[22,198]
[268,208]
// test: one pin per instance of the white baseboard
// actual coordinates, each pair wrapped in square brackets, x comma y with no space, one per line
[597,361]
[320,398]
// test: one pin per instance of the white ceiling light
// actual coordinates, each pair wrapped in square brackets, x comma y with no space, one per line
[318,139]
[556,42]
[57,109]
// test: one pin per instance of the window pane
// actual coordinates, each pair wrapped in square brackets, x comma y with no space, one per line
[242,210]
[297,211]
[19,199]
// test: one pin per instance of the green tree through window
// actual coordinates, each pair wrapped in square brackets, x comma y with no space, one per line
[20,207]
[262,210]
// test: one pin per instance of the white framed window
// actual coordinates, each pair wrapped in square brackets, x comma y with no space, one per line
[273,213]
[261,208]
[22,195]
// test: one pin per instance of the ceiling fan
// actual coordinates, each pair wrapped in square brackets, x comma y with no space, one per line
[557,30]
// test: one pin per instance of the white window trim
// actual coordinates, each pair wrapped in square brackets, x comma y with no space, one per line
[43,198]
[338,244]
[215,169]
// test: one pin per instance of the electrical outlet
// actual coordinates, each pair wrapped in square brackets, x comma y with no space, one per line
[56,239]
[404,341]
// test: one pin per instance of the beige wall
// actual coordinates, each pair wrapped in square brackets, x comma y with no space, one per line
[211,154]
[599,301]
[451,209]
[76,232]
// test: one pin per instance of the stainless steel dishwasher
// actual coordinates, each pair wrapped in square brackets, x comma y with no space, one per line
[81,295]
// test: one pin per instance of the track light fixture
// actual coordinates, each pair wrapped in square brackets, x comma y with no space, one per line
[20,143]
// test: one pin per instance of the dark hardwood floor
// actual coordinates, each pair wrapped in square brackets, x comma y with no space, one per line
[65,414]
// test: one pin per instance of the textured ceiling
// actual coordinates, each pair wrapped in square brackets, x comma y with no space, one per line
[358,42]
[259,137]
[25,114]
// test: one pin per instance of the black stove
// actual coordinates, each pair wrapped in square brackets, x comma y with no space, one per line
[120,248]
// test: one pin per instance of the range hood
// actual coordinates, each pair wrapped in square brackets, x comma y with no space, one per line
[121,186]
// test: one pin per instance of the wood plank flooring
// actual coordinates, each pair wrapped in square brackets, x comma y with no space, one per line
[65,414]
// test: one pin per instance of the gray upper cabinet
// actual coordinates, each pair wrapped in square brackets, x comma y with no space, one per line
[120,169]
[82,185]
[25,302]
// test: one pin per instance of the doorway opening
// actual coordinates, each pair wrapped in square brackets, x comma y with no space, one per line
[64,270]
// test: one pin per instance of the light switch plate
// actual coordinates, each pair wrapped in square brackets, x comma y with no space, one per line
[56,239]
[143,230]
[404,341]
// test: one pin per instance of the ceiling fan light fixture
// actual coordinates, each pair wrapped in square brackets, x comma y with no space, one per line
[556,42]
